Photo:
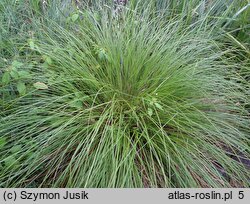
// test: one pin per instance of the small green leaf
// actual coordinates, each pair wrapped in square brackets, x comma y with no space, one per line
[157,105]
[31,44]
[75,17]
[107,58]
[10,161]
[154,100]
[102,54]
[17,64]
[24,74]
[77,104]
[21,88]
[6,78]
[68,19]
[40,85]
[49,61]
[45,65]
[15,149]
[3,142]
[150,112]
[14,74]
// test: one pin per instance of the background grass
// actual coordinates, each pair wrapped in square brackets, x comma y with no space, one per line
[154,96]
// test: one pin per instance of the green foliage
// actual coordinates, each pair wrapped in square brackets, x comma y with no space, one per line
[21,88]
[152,97]
[6,78]
[2,141]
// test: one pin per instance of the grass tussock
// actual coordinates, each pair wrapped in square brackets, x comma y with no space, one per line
[133,100]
